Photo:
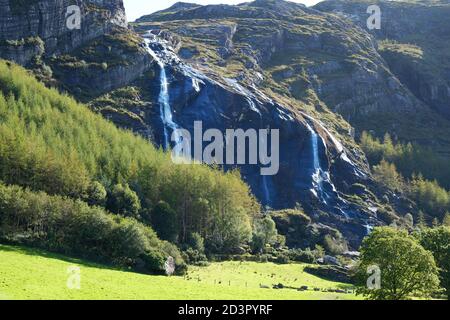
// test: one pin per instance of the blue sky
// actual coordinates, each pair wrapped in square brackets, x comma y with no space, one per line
[138,8]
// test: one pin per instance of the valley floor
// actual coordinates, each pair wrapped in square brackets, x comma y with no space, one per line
[34,274]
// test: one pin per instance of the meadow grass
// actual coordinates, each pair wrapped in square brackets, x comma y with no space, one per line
[34,274]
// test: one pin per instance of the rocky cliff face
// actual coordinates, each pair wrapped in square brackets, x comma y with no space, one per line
[291,69]
[40,34]
[414,41]
[48,21]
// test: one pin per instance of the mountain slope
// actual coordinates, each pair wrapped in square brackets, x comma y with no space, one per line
[413,40]
[267,64]
[309,64]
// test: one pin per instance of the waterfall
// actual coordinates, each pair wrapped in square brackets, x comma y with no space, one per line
[319,175]
[266,191]
[323,187]
[163,100]
[368,228]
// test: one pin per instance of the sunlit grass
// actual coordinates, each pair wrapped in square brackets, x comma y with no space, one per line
[34,274]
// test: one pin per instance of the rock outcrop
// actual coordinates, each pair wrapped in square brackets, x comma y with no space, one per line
[48,20]
[100,55]
[414,40]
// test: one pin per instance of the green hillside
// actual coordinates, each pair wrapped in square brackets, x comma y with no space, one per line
[34,274]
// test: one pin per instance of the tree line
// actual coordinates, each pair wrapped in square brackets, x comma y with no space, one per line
[412,170]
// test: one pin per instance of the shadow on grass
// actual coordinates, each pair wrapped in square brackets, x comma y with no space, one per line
[32,251]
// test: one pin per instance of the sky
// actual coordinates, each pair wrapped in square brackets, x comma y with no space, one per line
[137,8]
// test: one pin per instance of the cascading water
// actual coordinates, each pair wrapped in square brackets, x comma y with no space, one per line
[163,100]
[319,176]
[265,186]
[323,187]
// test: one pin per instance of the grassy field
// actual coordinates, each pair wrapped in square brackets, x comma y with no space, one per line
[34,274]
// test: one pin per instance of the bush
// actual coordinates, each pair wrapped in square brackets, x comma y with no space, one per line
[96,194]
[298,255]
[335,244]
[264,233]
[195,257]
[282,258]
[165,221]
[72,227]
[196,242]
[124,201]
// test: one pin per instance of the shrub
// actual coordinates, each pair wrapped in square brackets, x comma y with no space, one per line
[196,242]
[298,255]
[72,227]
[195,257]
[165,221]
[96,194]
[282,258]
[335,244]
[124,201]
[264,233]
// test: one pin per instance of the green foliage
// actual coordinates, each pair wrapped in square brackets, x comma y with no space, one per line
[96,194]
[264,232]
[386,174]
[446,220]
[124,201]
[409,158]
[437,240]
[196,242]
[430,196]
[49,142]
[335,244]
[387,157]
[195,257]
[165,222]
[407,269]
[72,227]
[298,255]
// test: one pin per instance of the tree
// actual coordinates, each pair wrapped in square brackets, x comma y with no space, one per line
[409,220]
[124,201]
[96,194]
[265,231]
[446,220]
[406,268]
[165,222]
[196,242]
[386,174]
[437,240]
